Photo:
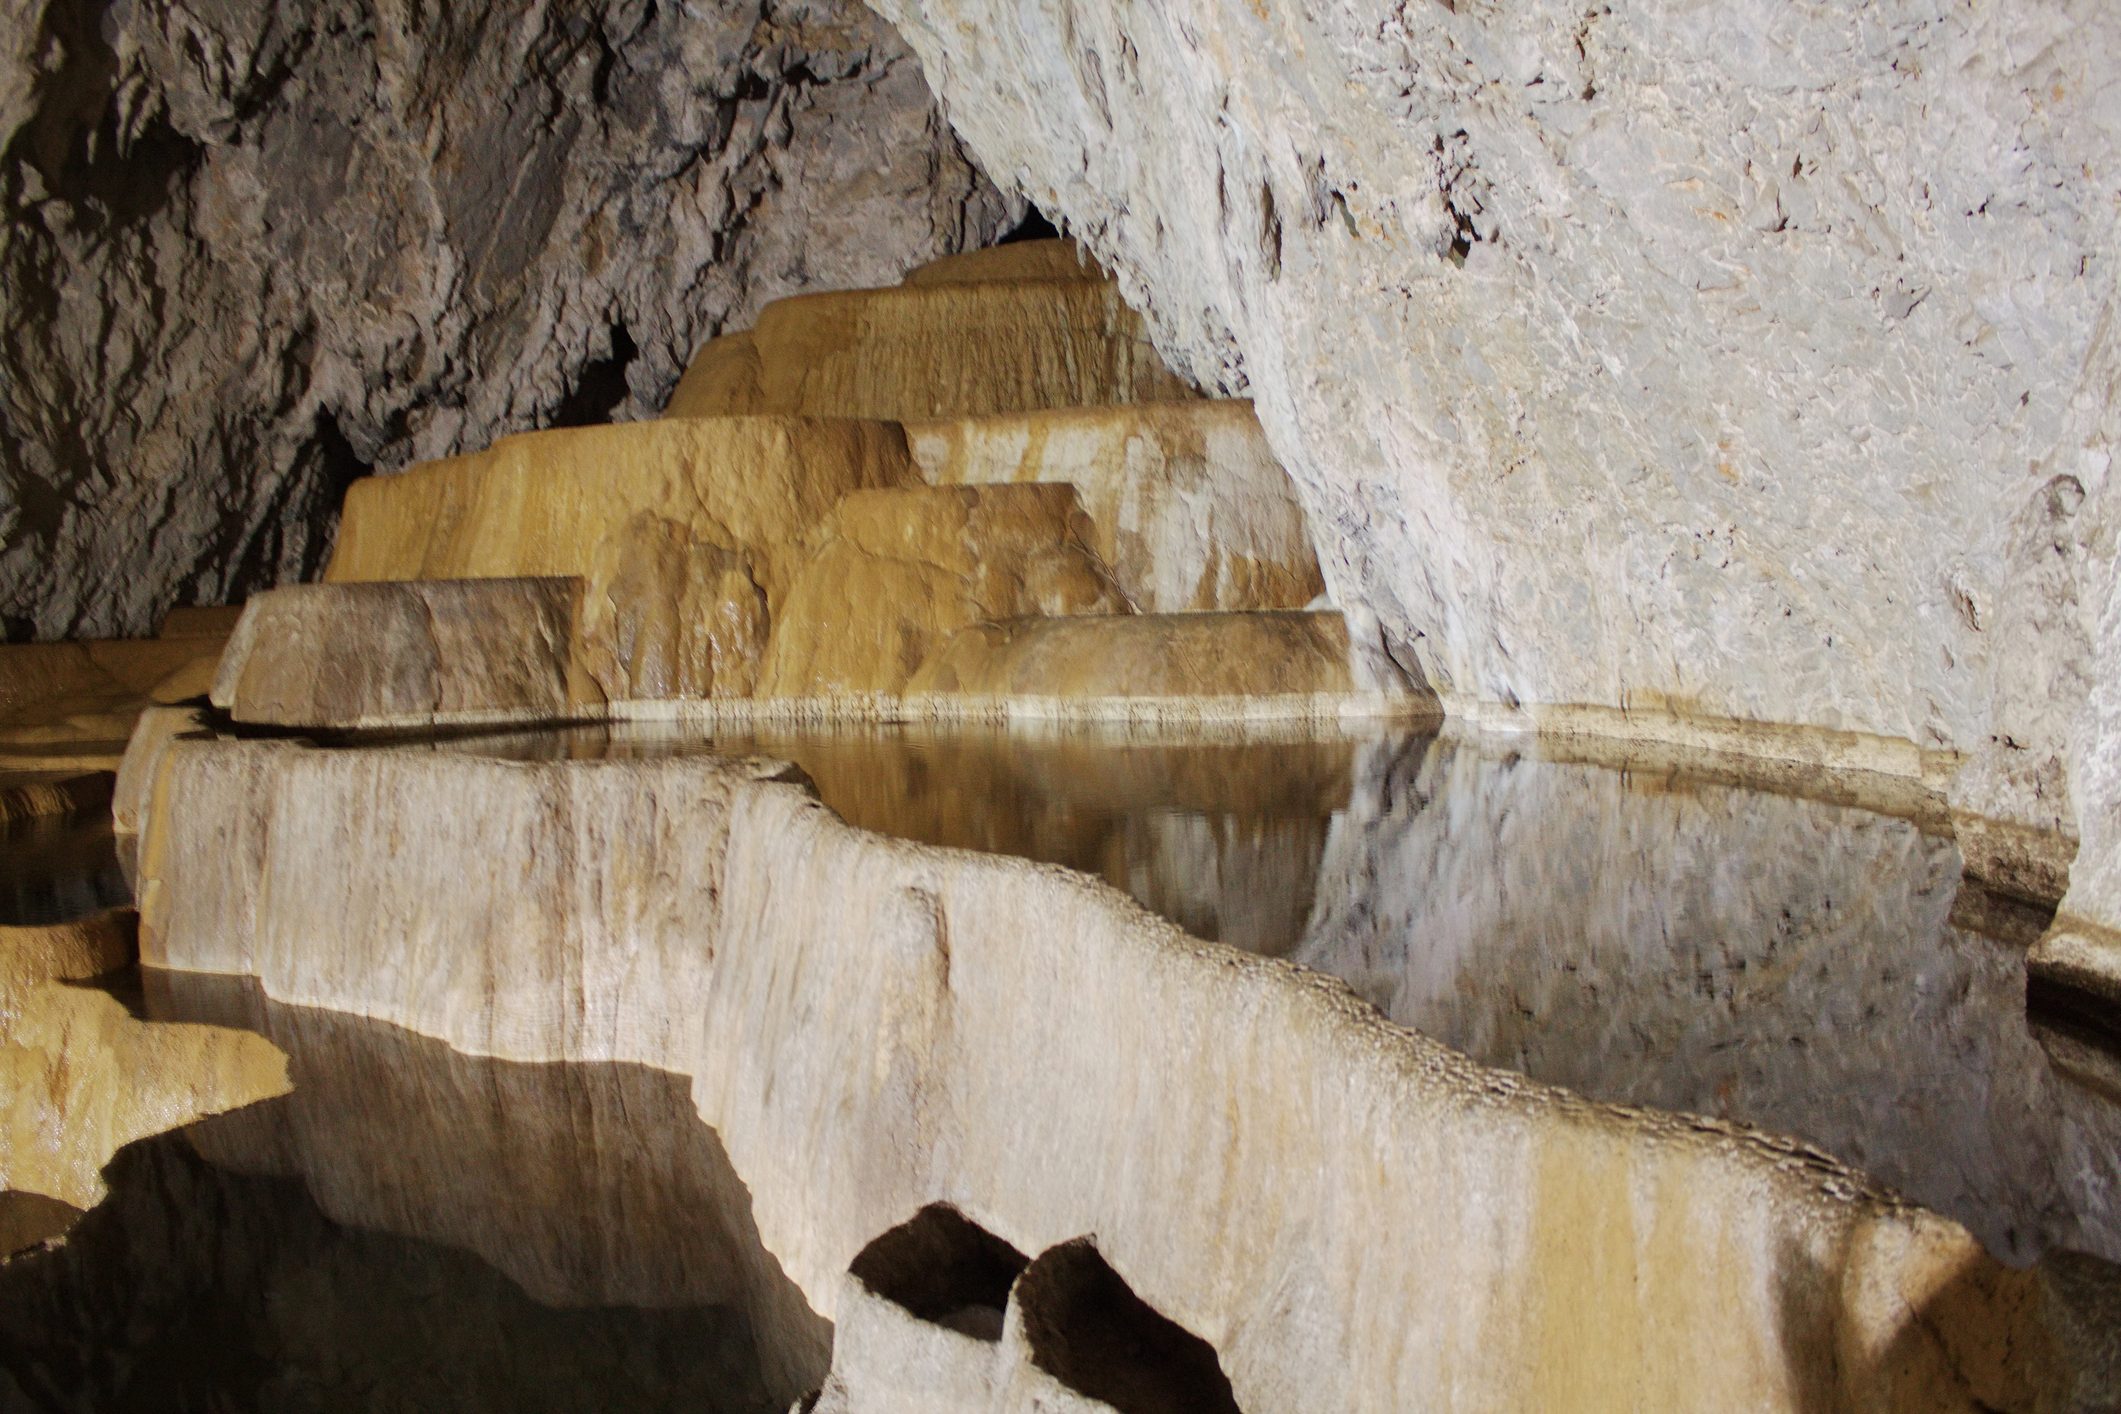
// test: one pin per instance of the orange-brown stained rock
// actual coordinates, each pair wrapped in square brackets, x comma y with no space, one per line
[938,348]
[542,504]
[80,1077]
[1187,504]
[667,616]
[903,571]
[1252,655]
[354,655]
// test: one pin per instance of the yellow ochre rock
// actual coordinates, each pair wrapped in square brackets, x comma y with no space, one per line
[998,334]
[1251,655]
[1187,503]
[543,503]
[904,570]
[70,706]
[80,1077]
[665,616]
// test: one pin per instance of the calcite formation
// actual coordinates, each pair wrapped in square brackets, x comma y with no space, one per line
[403,654]
[902,572]
[1240,661]
[255,250]
[1693,363]
[807,552]
[1186,504]
[874,1026]
[1014,334]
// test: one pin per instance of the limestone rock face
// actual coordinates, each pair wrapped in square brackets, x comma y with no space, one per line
[1006,334]
[415,653]
[1725,361]
[1187,505]
[667,616]
[900,572]
[253,250]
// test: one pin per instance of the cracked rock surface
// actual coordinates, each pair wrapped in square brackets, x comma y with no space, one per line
[1731,361]
[251,251]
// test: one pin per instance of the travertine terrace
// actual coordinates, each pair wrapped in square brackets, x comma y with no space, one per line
[1455,751]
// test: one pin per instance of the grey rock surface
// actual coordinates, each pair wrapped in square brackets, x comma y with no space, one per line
[251,251]
[1730,360]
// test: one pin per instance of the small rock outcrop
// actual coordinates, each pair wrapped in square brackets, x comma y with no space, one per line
[254,250]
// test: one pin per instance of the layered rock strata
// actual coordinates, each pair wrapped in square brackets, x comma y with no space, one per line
[874,1026]
[405,654]
[1018,332]
[255,250]
[795,555]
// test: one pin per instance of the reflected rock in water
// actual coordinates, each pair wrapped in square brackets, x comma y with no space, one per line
[1660,941]
[1223,837]
[416,1228]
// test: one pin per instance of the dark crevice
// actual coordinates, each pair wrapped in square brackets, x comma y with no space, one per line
[942,1267]
[1034,227]
[1088,1329]
[601,389]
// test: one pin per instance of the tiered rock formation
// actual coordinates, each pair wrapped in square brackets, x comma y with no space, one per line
[783,543]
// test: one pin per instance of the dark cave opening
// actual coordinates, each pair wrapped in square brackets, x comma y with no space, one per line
[601,388]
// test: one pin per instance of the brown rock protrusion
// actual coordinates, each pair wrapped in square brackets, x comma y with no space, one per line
[1149,656]
[667,616]
[903,571]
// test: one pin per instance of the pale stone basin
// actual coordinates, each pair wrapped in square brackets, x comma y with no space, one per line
[1666,940]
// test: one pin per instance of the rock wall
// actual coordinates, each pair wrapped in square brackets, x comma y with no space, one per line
[1723,361]
[251,251]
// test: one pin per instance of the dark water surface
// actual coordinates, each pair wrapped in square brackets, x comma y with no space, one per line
[58,867]
[411,1229]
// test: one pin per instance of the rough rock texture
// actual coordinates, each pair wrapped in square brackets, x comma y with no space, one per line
[1008,335]
[1723,361]
[874,1026]
[253,250]
[900,572]
[1187,506]
[404,654]
[80,1076]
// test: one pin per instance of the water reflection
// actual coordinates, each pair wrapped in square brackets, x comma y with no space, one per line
[59,867]
[1809,967]
[417,1229]
[1223,836]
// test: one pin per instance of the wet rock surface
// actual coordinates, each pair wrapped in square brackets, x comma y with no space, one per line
[252,251]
